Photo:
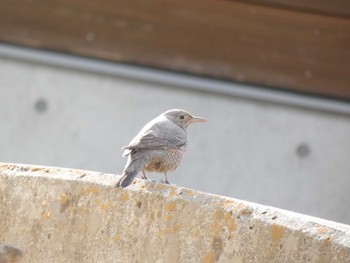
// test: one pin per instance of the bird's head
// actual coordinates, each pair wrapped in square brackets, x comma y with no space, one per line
[182,118]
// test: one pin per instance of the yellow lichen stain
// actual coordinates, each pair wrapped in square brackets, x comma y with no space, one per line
[186,192]
[277,233]
[172,191]
[209,258]
[125,196]
[168,230]
[226,202]
[63,199]
[175,228]
[168,218]
[35,168]
[103,207]
[245,211]
[241,207]
[322,230]
[327,241]
[159,233]
[46,215]
[230,222]
[116,237]
[216,226]
[170,206]
[89,190]
[160,187]
[218,215]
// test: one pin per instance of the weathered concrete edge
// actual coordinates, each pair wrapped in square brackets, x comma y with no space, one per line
[268,214]
[319,230]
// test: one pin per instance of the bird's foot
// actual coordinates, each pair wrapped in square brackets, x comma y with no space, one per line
[143,175]
[151,180]
[164,182]
[147,179]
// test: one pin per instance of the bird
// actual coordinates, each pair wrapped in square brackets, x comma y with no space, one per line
[9,254]
[158,147]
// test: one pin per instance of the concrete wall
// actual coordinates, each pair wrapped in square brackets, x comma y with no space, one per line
[64,215]
[288,157]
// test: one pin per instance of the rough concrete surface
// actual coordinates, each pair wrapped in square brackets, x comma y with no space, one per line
[66,215]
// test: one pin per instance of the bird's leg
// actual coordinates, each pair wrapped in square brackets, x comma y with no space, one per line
[143,176]
[166,179]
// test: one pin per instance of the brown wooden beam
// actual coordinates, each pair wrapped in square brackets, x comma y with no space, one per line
[325,7]
[246,42]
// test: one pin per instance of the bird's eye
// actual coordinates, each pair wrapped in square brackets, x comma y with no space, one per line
[182,117]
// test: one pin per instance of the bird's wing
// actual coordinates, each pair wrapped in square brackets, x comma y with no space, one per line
[151,140]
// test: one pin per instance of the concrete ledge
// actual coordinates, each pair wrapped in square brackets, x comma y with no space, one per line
[65,215]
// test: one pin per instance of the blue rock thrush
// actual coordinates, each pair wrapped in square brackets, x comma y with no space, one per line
[158,147]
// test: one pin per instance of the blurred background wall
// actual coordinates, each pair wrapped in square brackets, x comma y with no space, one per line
[279,118]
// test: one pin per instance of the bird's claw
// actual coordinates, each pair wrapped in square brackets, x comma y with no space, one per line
[147,179]
[164,182]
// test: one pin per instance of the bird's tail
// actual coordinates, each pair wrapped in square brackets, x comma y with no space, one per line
[126,179]
[133,167]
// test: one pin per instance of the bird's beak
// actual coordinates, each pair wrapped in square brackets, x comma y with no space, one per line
[198,119]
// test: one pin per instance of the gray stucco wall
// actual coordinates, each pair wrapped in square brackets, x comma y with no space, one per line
[288,157]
